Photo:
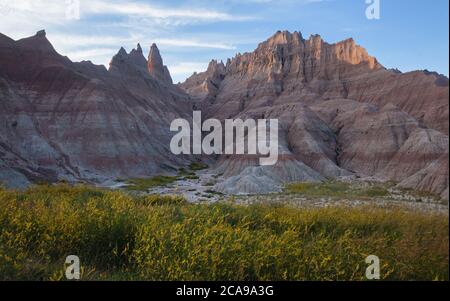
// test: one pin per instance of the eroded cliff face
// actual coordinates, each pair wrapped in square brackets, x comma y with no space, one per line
[342,113]
[288,68]
[80,122]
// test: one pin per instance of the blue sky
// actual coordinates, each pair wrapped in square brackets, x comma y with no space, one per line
[410,34]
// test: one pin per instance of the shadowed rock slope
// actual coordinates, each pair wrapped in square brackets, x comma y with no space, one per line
[81,122]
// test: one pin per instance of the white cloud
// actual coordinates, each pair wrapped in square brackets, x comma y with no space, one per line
[181,71]
[75,40]
[277,1]
[187,68]
[99,55]
[194,44]
[26,16]
[53,10]
[132,8]
[105,26]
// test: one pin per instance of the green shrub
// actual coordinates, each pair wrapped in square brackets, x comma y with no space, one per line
[182,172]
[198,166]
[377,192]
[209,191]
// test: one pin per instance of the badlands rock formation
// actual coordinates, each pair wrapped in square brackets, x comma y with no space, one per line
[156,68]
[342,114]
[81,122]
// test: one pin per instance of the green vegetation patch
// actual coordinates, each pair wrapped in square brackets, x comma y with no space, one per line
[338,189]
[143,184]
[182,172]
[198,166]
[121,237]
[210,191]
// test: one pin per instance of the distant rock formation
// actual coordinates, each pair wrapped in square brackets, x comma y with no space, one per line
[342,112]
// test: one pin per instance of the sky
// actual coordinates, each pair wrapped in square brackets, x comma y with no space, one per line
[408,35]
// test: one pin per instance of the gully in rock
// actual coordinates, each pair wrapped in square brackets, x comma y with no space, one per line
[257,141]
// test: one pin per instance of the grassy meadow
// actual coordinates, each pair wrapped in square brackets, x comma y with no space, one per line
[123,237]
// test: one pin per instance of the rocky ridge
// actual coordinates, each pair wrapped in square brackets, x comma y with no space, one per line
[342,113]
